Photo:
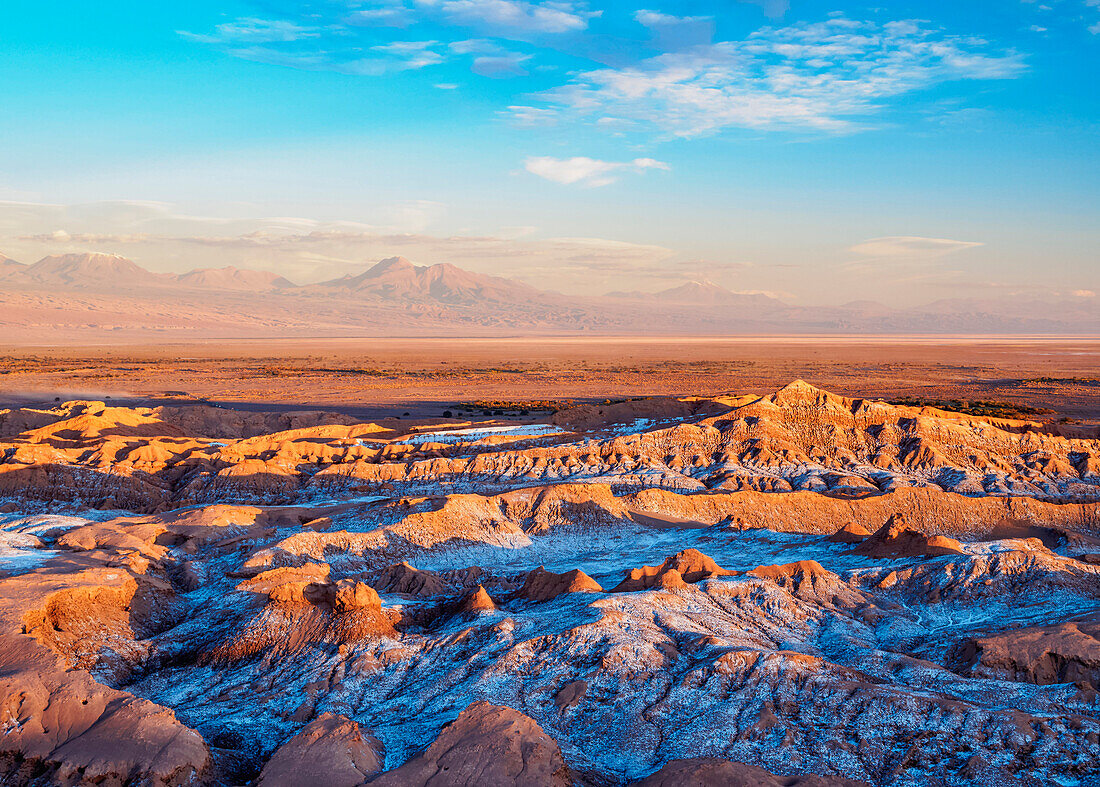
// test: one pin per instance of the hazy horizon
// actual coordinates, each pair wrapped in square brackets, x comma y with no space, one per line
[819,153]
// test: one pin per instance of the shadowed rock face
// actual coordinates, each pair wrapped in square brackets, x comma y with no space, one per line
[486,746]
[270,601]
[403,578]
[543,585]
[1061,653]
[477,602]
[711,772]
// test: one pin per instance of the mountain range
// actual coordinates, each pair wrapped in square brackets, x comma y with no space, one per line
[93,296]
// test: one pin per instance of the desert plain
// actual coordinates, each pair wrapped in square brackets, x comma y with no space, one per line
[388,376]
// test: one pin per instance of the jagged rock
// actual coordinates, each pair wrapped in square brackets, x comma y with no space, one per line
[403,578]
[255,613]
[808,579]
[543,585]
[331,750]
[486,746]
[689,566]
[58,722]
[896,539]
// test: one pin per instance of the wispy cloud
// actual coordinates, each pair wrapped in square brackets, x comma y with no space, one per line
[587,171]
[1095,5]
[514,15]
[1075,11]
[834,75]
[255,31]
[344,36]
[909,247]
[829,75]
[908,258]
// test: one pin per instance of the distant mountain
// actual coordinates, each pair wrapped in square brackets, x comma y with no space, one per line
[707,293]
[704,293]
[10,268]
[866,308]
[397,279]
[230,278]
[91,270]
[69,297]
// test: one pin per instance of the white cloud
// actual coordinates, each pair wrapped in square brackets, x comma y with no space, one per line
[909,247]
[586,171]
[497,66]
[384,15]
[546,17]
[256,31]
[825,75]
[660,19]
[354,37]
[528,117]
[407,55]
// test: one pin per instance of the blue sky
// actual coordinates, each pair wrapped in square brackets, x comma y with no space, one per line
[821,151]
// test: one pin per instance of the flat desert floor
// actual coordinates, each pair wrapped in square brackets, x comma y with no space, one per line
[373,378]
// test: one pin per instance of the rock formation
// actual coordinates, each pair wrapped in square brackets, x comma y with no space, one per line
[486,746]
[804,589]
[331,750]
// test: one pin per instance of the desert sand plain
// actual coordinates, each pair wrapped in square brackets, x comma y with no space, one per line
[617,562]
[379,377]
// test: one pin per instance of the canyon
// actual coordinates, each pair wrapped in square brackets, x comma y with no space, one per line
[792,588]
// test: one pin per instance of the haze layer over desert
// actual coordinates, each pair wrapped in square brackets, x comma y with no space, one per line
[549,393]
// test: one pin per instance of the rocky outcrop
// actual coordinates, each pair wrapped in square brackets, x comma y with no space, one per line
[403,578]
[486,746]
[810,581]
[685,567]
[476,602]
[800,439]
[851,533]
[896,539]
[543,585]
[331,750]
[59,724]
[1066,652]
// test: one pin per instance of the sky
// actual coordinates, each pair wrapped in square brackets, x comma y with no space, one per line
[821,152]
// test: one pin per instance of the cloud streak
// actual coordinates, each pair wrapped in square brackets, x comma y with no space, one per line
[910,247]
[588,172]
